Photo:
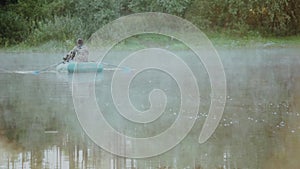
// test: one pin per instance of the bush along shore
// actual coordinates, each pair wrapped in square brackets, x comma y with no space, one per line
[47,23]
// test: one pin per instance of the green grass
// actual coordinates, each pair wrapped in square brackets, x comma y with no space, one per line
[50,46]
[219,40]
[252,40]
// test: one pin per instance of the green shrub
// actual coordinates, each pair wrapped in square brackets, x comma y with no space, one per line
[38,21]
[94,14]
[59,29]
[13,28]
[175,7]
[269,17]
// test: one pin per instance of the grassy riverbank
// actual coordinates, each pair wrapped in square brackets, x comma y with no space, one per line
[219,40]
[252,41]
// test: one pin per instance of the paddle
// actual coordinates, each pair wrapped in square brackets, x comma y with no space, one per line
[126,69]
[46,68]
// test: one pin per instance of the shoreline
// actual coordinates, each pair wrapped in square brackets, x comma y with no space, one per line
[219,41]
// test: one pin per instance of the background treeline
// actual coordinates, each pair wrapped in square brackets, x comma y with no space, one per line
[37,21]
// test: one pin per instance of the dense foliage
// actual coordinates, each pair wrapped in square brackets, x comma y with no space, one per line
[269,17]
[38,21]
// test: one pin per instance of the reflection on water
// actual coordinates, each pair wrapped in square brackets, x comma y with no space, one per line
[260,127]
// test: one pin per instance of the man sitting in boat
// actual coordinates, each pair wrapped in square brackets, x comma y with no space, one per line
[78,54]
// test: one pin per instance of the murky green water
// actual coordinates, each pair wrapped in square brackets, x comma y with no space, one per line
[260,127]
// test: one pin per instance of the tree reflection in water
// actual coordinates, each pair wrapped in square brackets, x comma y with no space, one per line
[259,129]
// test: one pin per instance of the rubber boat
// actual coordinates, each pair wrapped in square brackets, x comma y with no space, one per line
[80,67]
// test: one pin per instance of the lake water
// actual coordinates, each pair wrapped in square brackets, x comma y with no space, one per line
[260,127]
